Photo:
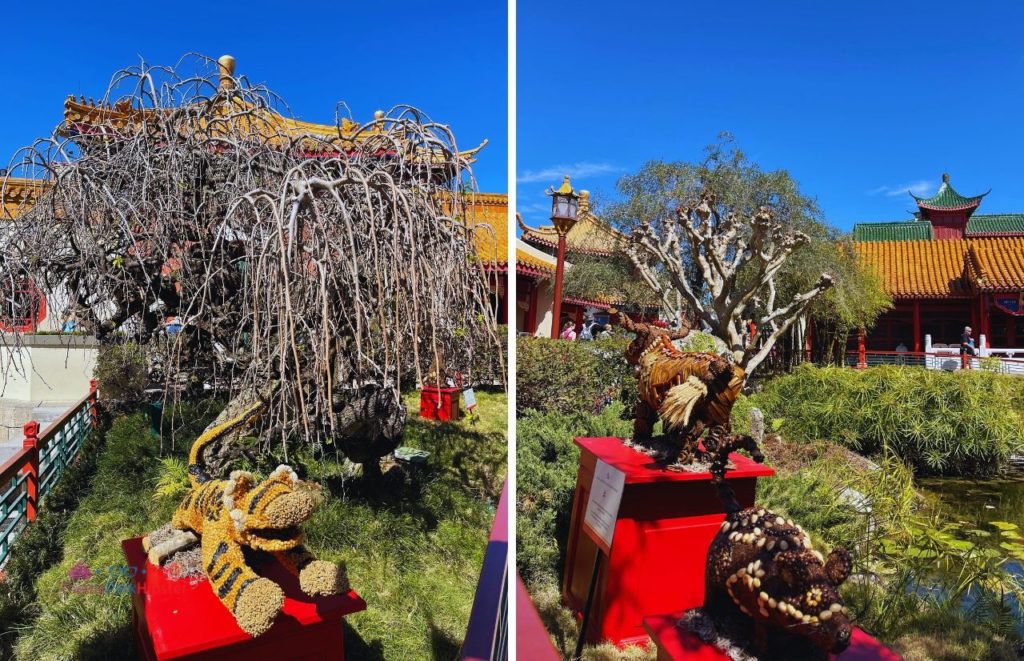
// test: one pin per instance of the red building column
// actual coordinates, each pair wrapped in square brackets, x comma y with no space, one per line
[862,352]
[917,325]
[984,318]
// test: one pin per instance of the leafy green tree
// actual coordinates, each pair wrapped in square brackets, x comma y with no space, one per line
[723,241]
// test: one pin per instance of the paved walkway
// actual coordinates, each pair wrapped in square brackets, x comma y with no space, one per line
[14,413]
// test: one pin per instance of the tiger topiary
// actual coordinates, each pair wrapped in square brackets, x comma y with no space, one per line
[232,517]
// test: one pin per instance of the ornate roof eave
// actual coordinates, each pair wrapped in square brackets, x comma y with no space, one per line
[608,302]
[947,199]
[974,204]
[82,117]
[533,271]
[19,194]
[569,248]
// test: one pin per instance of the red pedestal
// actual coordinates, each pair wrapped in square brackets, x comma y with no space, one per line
[675,643]
[666,522]
[439,403]
[176,619]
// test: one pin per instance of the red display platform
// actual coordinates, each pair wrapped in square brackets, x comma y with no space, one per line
[439,403]
[675,643]
[665,524]
[178,619]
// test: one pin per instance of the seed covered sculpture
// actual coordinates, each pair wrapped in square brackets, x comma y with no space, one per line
[240,517]
[763,566]
[689,391]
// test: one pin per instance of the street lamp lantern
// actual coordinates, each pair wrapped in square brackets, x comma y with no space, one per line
[565,207]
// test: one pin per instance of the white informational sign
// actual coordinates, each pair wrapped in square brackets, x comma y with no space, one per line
[603,506]
[469,397]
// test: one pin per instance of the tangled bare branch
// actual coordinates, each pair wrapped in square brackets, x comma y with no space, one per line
[327,261]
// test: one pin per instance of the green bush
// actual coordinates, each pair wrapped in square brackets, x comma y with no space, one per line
[699,341]
[555,375]
[121,372]
[40,545]
[959,423]
[547,462]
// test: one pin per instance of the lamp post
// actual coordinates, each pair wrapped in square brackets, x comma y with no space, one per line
[565,205]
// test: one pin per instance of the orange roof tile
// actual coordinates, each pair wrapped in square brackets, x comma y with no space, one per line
[918,269]
[996,264]
[487,214]
[18,195]
[948,268]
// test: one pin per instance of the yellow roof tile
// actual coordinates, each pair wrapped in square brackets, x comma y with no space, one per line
[946,268]
[589,236]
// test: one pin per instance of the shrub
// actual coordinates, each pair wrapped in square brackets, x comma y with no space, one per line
[959,423]
[555,375]
[121,372]
[703,342]
[547,461]
[39,546]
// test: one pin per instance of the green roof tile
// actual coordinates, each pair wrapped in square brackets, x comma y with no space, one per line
[948,198]
[1000,223]
[905,230]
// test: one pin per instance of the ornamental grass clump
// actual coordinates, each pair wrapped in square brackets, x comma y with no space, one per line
[941,423]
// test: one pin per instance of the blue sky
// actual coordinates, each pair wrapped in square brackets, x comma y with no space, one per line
[447,58]
[859,101]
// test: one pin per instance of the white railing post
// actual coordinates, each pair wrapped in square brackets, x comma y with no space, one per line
[982,346]
[927,351]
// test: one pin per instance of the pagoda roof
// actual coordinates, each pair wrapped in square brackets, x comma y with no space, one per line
[535,263]
[955,268]
[487,215]
[947,199]
[18,195]
[914,230]
[234,119]
[589,236]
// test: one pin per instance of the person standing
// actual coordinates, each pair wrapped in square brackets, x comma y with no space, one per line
[966,348]
[586,333]
[568,331]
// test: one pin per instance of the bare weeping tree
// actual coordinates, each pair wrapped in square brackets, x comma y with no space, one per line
[252,255]
[714,241]
[739,258]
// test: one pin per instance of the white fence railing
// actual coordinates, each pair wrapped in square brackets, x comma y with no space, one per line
[947,357]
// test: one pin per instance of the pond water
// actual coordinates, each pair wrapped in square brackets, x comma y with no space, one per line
[979,502]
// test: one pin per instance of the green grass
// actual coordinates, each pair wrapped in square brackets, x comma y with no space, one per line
[941,423]
[413,547]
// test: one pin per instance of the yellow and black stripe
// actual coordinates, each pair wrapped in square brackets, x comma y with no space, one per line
[196,466]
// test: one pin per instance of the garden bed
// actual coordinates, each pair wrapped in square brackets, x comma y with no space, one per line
[413,545]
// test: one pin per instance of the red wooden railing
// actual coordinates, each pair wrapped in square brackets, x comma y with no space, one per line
[487,633]
[29,475]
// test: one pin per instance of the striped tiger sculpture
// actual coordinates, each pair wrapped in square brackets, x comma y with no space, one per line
[689,391]
[240,515]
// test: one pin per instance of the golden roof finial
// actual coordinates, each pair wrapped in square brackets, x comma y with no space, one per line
[566,187]
[584,200]
[227,71]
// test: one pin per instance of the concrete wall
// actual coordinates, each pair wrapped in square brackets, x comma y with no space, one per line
[50,368]
[545,308]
